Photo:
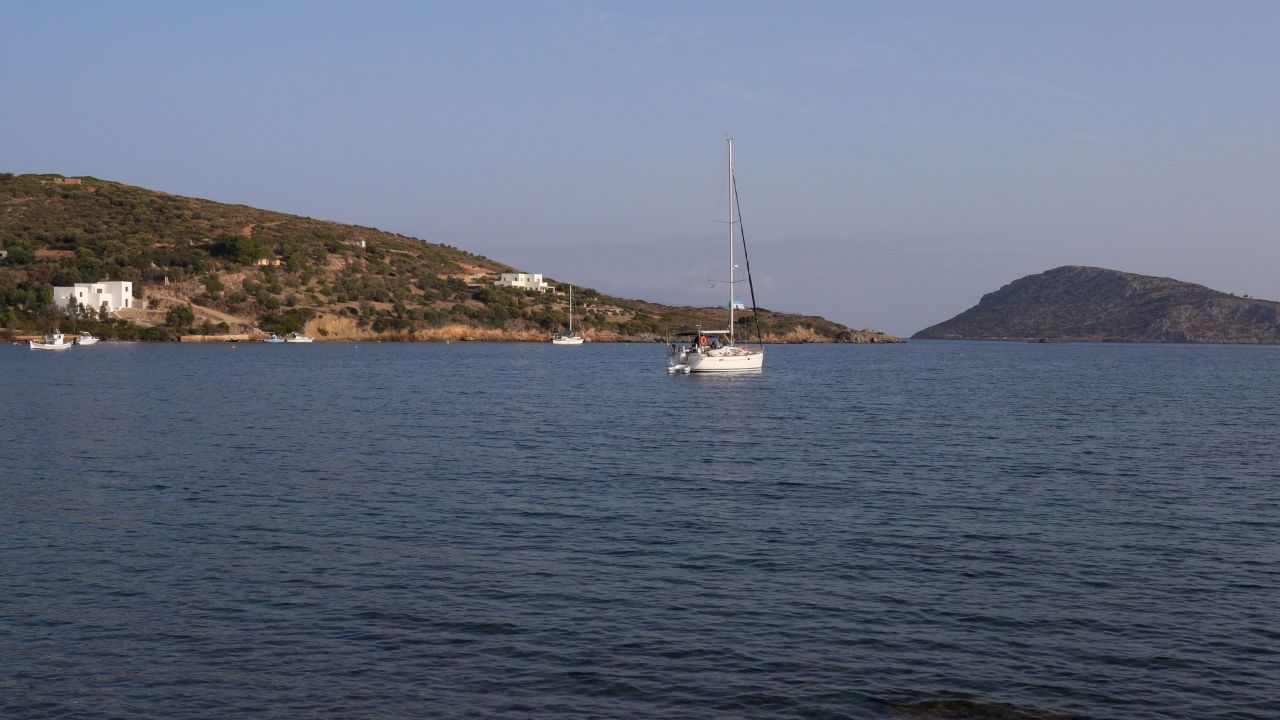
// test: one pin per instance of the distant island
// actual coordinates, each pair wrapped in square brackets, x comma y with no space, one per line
[1074,303]
[204,268]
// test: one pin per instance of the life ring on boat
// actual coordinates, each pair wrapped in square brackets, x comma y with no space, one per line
[702,339]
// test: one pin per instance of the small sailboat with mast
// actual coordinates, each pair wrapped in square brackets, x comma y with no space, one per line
[569,338]
[702,350]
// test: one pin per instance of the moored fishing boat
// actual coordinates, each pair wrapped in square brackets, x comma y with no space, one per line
[52,341]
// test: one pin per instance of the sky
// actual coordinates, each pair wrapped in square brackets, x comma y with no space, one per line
[895,160]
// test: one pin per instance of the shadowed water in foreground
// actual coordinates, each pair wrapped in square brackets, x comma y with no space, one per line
[374,531]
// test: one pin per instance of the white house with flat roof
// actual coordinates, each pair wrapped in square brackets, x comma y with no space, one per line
[524,281]
[115,294]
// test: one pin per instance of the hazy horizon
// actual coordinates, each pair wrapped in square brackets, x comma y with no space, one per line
[895,162]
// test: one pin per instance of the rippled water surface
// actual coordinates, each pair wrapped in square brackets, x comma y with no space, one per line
[477,530]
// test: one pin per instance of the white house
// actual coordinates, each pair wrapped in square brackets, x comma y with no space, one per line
[524,281]
[116,294]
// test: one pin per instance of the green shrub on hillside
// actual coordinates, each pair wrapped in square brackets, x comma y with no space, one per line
[180,316]
[286,322]
[237,249]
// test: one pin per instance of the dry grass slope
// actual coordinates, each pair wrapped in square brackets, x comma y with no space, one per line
[243,270]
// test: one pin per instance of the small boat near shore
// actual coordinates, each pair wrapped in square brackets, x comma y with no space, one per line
[52,341]
[570,338]
[273,338]
[86,339]
[294,337]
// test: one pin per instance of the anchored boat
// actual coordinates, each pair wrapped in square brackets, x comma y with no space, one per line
[52,341]
[570,338]
[717,350]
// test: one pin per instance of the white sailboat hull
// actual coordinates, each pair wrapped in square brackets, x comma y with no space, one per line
[574,340]
[731,359]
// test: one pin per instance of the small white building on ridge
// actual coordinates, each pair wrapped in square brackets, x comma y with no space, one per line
[115,294]
[524,281]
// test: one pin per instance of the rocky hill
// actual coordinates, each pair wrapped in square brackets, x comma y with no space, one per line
[200,266]
[1087,303]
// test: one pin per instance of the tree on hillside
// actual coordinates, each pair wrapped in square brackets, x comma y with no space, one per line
[237,248]
[291,321]
[180,316]
[19,255]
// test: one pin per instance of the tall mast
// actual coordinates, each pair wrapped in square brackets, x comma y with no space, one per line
[571,310]
[730,141]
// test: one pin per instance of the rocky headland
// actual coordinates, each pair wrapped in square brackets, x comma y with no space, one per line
[1074,303]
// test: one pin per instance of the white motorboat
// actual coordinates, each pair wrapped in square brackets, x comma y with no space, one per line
[86,339]
[294,337]
[717,350]
[570,338]
[52,341]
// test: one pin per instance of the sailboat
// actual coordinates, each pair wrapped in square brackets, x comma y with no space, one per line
[569,339]
[702,350]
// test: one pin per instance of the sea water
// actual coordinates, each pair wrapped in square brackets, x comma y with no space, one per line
[533,531]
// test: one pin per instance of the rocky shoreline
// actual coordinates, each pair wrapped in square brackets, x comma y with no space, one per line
[464,333]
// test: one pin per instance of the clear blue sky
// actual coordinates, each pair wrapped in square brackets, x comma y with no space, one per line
[895,160]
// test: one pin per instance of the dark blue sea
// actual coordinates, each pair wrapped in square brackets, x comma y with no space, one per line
[529,531]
